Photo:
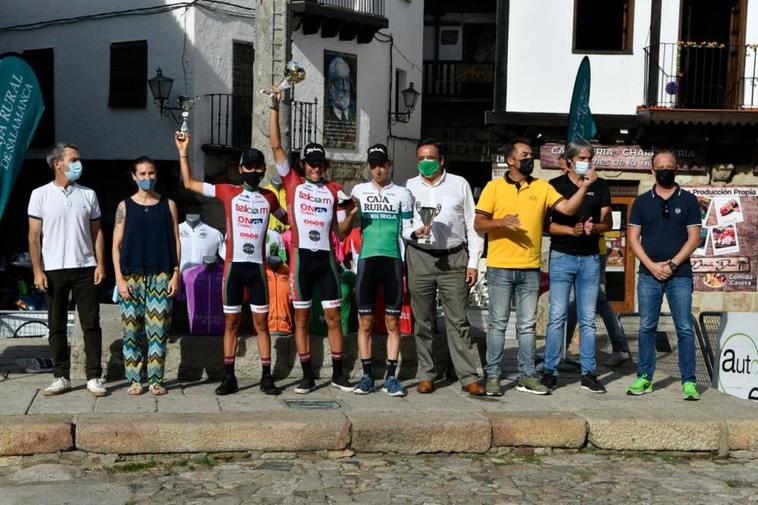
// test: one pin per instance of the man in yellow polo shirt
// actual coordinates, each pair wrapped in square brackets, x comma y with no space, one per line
[512,211]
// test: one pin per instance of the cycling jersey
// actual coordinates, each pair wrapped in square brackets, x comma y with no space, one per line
[312,207]
[386,215]
[247,214]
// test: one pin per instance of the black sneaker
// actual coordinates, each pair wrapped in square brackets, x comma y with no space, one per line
[591,384]
[549,380]
[342,383]
[228,386]
[306,386]
[268,387]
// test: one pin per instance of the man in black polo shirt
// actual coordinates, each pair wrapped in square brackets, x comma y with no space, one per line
[664,230]
[575,264]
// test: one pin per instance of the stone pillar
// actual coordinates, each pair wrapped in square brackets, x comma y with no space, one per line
[273,48]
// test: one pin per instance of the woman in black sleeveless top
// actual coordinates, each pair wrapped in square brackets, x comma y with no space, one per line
[146,249]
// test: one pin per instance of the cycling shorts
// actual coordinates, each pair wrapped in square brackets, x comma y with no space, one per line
[314,270]
[372,272]
[241,275]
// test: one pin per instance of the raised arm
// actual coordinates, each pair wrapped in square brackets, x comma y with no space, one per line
[275,136]
[182,145]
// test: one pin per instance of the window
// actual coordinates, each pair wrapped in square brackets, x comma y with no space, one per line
[603,26]
[243,57]
[400,85]
[128,78]
[42,62]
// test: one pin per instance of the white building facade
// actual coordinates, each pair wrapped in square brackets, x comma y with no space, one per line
[194,43]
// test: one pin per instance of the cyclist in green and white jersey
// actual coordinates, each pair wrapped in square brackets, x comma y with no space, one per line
[386,213]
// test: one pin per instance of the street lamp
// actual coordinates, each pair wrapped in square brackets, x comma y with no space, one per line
[410,97]
[160,87]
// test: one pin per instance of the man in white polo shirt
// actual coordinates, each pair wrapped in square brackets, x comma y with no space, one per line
[66,247]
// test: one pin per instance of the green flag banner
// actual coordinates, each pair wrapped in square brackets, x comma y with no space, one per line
[21,108]
[581,125]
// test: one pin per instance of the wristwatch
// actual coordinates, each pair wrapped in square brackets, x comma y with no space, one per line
[673,266]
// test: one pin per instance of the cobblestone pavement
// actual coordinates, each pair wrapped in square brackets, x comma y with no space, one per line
[286,478]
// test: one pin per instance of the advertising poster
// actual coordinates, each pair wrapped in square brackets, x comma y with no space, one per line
[736,369]
[727,257]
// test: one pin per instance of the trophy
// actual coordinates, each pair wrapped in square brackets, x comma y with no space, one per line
[427,216]
[186,103]
[293,73]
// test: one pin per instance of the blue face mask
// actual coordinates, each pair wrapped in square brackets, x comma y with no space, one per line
[74,171]
[582,167]
[146,184]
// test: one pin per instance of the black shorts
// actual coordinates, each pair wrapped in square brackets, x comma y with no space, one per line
[379,270]
[314,269]
[237,277]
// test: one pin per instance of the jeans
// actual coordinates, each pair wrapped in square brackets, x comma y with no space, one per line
[678,292]
[615,331]
[581,273]
[502,284]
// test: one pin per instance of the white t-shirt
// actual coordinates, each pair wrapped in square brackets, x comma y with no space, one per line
[66,214]
[202,240]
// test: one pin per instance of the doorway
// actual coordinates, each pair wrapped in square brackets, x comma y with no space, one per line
[619,271]
[709,55]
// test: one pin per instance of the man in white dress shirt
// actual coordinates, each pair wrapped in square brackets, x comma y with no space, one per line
[448,264]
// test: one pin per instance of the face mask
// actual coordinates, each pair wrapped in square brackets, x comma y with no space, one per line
[582,167]
[527,166]
[74,171]
[428,168]
[252,179]
[665,178]
[146,184]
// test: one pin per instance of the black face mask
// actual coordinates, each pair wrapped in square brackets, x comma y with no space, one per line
[527,166]
[665,178]
[252,179]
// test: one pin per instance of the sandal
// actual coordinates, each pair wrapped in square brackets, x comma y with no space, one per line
[135,389]
[157,389]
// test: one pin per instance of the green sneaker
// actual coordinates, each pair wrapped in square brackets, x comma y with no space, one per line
[532,385]
[640,386]
[689,391]
[493,387]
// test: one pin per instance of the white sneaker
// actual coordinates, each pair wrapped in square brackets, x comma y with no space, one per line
[59,385]
[618,358]
[96,387]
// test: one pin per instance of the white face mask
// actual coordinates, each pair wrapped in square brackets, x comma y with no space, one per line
[581,167]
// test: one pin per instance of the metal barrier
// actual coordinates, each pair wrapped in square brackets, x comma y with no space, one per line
[667,346]
[710,325]
[29,323]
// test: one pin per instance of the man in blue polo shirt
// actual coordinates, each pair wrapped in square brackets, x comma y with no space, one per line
[664,230]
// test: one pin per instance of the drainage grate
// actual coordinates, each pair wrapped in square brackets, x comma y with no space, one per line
[312,404]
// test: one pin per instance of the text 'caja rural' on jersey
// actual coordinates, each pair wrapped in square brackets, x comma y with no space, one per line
[247,214]
[312,209]
[386,217]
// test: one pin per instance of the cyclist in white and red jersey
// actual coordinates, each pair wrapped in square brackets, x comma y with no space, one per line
[247,209]
[312,205]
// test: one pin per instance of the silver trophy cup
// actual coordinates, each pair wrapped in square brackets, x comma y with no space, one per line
[293,73]
[186,103]
[427,215]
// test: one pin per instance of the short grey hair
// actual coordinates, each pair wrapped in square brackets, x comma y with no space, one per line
[57,152]
[575,147]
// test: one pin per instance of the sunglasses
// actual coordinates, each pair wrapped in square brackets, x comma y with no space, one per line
[664,209]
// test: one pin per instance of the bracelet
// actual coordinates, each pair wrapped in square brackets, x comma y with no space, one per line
[183,156]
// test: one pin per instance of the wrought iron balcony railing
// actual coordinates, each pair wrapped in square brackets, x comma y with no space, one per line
[231,121]
[458,79]
[370,7]
[701,75]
